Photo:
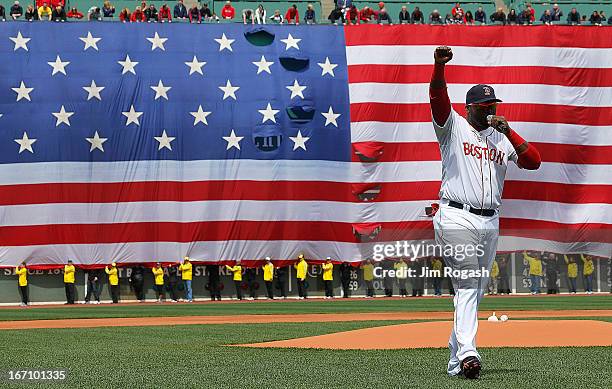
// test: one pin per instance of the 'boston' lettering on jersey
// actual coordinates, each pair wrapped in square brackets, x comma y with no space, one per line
[484,152]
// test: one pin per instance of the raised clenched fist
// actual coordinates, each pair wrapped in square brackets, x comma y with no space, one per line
[443,54]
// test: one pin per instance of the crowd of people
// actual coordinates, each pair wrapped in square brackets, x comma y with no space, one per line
[173,281]
[345,12]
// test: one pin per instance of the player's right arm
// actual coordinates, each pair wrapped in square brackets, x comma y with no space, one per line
[438,95]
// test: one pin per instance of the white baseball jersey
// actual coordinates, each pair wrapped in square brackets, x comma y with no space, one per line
[473,163]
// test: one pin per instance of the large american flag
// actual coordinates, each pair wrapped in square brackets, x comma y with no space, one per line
[138,143]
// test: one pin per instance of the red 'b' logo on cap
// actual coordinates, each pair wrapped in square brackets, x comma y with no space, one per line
[487,91]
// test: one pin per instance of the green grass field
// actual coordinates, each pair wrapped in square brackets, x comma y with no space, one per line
[198,355]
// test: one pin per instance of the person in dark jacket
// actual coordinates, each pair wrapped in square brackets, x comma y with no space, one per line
[212,271]
[404,16]
[336,16]
[595,18]
[151,14]
[281,281]
[387,265]
[309,15]
[480,16]
[435,17]
[503,262]
[573,17]
[137,282]
[172,280]
[58,14]
[31,14]
[94,285]
[205,12]
[552,273]
[417,16]
[546,17]
[512,17]
[383,16]
[16,11]
[499,16]
[345,279]
[251,279]
[180,11]
[2,13]
[556,13]
[418,282]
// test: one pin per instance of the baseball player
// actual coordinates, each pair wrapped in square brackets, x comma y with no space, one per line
[475,155]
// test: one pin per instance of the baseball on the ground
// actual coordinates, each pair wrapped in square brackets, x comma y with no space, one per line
[503,318]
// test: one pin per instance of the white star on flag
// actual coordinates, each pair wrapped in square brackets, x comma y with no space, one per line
[161,90]
[23,92]
[90,41]
[229,90]
[225,43]
[299,141]
[200,116]
[157,42]
[195,66]
[328,67]
[20,42]
[233,140]
[164,141]
[132,116]
[296,89]
[128,65]
[268,113]
[62,116]
[58,66]
[93,91]
[25,143]
[330,117]
[96,142]
[263,65]
[291,42]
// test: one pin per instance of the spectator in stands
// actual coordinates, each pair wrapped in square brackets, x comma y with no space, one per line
[138,16]
[459,18]
[499,16]
[493,278]
[228,12]
[94,14]
[603,16]
[69,277]
[352,15]
[383,16]
[292,16]
[418,282]
[368,277]
[469,18]
[180,11]
[16,11]
[113,280]
[310,16]
[44,12]
[573,17]
[572,272]
[480,16]
[587,270]
[301,268]
[595,18]
[437,265]
[512,17]
[108,10]
[610,22]
[151,14]
[212,271]
[268,276]
[524,18]
[125,15]
[94,285]
[260,14]
[21,272]
[195,16]
[186,269]
[366,15]
[237,277]
[417,16]
[401,274]
[58,14]
[552,273]
[435,17]
[556,13]
[205,13]
[31,13]
[277,18]
[457,9]
[546,17]
[171,282]
[448,19]
[137,281]
[583,19]
[404,15]
[158,273]
[531,11]
[2,13]
[345,279]
[328,278]
[74,13]
[164,14]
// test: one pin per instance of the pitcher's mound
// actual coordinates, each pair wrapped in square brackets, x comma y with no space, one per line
[513,333]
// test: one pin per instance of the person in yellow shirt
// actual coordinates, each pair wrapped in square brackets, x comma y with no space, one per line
[368,277]
[301,268]
[21,271]
[113,280]
[328,278]
[158,273]
[401,273]
[186,276]
[69,282]
[493,278]
[268,274]
[572,272]
[237,277]
[535,271]
[44,12]
[587,270]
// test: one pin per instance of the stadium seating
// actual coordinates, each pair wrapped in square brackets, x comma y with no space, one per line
[584,7]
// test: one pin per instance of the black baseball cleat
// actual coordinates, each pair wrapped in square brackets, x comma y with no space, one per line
[470,368]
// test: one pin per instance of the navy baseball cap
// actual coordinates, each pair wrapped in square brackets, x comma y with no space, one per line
[481,94]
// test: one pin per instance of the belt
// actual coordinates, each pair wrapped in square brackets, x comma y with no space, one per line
[480,212]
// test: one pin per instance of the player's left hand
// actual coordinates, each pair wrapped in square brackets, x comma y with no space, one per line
[500,124]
